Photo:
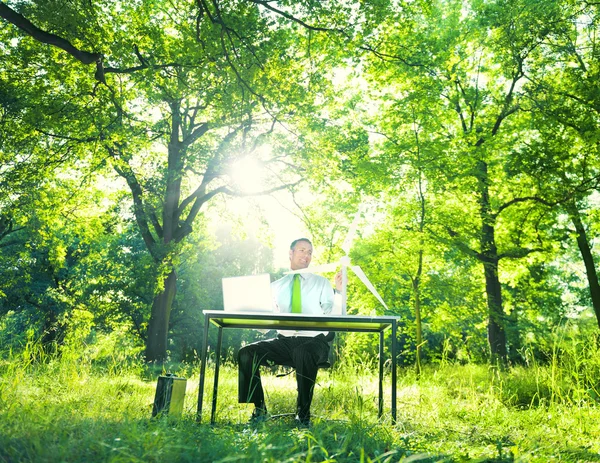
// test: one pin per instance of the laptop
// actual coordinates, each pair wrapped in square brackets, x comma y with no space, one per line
[251,293]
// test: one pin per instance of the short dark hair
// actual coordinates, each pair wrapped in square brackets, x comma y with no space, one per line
[293,245]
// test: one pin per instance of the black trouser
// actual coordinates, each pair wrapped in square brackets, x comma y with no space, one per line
[304,353]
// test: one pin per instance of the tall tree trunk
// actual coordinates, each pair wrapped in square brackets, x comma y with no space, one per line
[496,319]
[489,257]
[416,281]
[158,326]
[588,258]
[418,323]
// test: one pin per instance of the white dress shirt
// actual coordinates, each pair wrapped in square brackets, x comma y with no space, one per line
[317,298]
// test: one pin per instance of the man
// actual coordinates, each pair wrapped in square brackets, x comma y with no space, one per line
[305,293]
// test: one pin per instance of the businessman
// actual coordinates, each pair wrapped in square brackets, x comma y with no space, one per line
[304,293]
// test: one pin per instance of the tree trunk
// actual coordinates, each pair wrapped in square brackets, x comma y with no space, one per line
[417,279]
[489,258]
[418,324]
[158,326]
[588,258]
[496,318]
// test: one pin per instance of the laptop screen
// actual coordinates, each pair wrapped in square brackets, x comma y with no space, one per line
[250,293]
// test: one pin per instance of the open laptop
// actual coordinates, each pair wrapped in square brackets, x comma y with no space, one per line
[250,293]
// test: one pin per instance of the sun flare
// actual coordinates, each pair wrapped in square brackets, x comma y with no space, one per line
[247,175]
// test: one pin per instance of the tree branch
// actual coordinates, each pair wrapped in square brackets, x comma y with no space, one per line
[143,66]
[45,37]
[40,35]
[294,19]
[202,198]
[526,199]
[507,110]
[456,241]
[518,253]
[7,228]
[125,171]
[310,27]
[196,133]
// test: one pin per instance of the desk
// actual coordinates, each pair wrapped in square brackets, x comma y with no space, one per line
[300,322]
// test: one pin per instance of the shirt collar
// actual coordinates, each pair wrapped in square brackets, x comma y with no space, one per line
[304,276]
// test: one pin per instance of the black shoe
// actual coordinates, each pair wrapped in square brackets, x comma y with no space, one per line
[259,415]
[302,422]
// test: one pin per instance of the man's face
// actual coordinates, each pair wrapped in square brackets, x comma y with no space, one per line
[301,255]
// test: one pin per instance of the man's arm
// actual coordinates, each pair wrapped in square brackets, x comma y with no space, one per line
[337,298]
[332,302]
[327,298]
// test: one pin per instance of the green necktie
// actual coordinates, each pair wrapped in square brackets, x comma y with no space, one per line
[296,296]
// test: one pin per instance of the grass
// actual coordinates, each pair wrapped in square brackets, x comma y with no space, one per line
[68,410]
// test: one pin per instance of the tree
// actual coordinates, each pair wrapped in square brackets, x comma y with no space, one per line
[466,76]
[178,93]
[564,157]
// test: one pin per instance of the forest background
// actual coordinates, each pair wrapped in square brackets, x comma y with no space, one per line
[466,131]
[149,148]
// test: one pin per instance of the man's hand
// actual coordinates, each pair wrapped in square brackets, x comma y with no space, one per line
[338,281]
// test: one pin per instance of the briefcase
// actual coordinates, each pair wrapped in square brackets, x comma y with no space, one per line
[170,394]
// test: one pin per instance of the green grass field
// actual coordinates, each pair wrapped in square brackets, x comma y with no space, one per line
[61,410]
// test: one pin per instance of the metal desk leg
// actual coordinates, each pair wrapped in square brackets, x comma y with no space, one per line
[202,368]
[380,409]
[394,354]
[216,385]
